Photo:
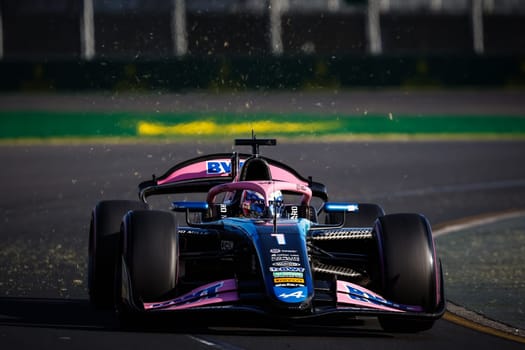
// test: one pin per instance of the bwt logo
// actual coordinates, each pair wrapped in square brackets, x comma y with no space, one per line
[219,167]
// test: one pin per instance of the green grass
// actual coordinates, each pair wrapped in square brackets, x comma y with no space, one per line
[41,125]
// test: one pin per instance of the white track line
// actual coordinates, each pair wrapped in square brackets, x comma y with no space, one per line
[475,222]
[214,344]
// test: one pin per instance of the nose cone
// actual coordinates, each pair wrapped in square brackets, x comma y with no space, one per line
[294,299]
[292,295]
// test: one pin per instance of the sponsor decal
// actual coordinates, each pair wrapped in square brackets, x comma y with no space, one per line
[275,251]
[353,294]
[214,167]
[198,296]
[288,274]
[301,188]
[193,232]
[298,295]
[294,212]
[285,263]
[280,238]
[290,295]
[286,269]
[288,280]
[360,295]
[286,258]
[223,210]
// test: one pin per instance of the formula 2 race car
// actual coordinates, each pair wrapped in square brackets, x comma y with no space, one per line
[256,243]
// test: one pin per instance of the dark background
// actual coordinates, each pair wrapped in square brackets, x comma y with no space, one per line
[229,45]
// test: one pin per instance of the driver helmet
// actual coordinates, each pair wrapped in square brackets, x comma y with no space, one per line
[253,206]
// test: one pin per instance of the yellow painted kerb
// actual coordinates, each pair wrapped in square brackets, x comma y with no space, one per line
[209,128]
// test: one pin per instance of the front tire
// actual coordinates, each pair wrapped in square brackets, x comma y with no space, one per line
[104,232]
[410,271]
[148,267]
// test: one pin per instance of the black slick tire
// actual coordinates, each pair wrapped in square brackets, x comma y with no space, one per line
[410,271]
[104,232]
[149,260]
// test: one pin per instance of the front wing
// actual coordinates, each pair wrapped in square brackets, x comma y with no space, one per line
[351,299]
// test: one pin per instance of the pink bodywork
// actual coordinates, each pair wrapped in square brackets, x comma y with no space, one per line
[221,292]
[200,171]
[212,293]
[353,294]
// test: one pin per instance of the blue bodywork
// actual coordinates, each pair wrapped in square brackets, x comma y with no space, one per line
[282,257]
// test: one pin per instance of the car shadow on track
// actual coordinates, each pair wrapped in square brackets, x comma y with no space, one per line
[79,314]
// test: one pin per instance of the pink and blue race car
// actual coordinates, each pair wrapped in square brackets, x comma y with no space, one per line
[261,240]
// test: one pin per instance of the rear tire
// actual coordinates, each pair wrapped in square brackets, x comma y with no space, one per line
[149,259]
[104,232]
[410,271]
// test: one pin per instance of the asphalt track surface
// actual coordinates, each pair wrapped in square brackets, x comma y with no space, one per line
[418,102]
[47,192]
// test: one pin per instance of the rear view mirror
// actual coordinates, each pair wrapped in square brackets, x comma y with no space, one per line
[192,207]
[194,211]
[330,207]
